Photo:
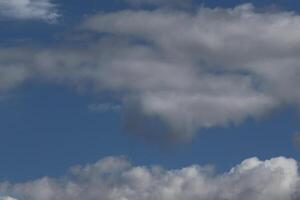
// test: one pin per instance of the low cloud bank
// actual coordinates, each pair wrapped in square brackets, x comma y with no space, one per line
[115,178]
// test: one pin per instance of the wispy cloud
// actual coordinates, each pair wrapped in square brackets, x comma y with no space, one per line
[104,107]
[29,9]
[296,140]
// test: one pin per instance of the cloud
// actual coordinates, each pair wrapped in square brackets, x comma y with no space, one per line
[184,71]
[15,67]
[104,107]
[29,9]
[169,3]
[7,198]
[296,140]
[114,178]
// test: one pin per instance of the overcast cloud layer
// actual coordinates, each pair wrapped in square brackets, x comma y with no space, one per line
[116,179]
[184,71]
[28,9]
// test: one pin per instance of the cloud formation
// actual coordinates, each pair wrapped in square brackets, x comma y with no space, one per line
[29,9]
[115,178]
[185,71]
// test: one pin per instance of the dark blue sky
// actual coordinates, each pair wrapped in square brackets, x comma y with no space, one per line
[45,129]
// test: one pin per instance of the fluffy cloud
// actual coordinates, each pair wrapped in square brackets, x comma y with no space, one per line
[116,179]
[184,71]
[28,9]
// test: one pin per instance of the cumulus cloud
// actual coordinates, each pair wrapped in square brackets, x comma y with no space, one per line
[184,71]
[29,9]
[115,178]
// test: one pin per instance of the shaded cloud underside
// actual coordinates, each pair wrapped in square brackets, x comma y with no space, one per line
[186,71]
[115,178]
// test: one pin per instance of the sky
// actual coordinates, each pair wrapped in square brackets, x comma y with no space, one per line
[149,100]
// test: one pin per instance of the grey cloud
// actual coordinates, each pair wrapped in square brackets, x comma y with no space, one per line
[218,43]
[15,67]
[115,178]
[187,71]
[178,94]
[29,9]
[104,107]
[296,140]
[11,76]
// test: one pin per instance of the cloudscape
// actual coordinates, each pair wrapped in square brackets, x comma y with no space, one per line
[149,100]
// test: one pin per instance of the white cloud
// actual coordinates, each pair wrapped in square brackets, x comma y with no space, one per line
[187,71]
[116,179]
[29,9]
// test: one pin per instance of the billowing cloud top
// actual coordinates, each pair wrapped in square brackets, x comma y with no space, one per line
[28,9]
[184,71]
[116,179]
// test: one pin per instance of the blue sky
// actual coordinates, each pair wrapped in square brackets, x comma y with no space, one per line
[170,84]
[37,139]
